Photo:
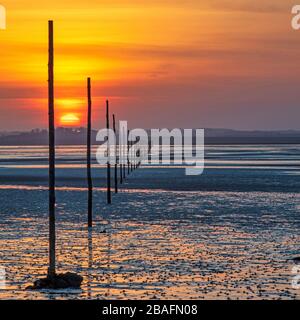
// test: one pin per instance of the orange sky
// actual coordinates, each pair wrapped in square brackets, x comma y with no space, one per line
[192,63]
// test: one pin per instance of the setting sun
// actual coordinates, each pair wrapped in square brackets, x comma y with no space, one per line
[69,119]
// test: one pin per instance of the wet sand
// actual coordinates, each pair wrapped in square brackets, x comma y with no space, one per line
[152,248]
[166,236]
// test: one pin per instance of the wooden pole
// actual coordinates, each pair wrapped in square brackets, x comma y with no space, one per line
[149,151]
[128,155]
[90,263]
[133,144]
[138,154]
[116,156]
[134,163]
[131,152]
[52,235]
[137,157]
[120,155]
[125,146]
[89,174]
[134,154]
[108,157]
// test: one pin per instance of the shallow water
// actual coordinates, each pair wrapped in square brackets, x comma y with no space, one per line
[169,240]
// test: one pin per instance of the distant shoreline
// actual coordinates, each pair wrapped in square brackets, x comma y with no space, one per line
[77,136]
[208,141]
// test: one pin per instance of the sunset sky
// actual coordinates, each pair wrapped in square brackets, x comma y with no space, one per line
[162,63]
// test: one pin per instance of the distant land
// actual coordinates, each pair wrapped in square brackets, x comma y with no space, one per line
[77,136]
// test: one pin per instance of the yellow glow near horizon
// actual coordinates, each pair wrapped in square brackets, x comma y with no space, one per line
[69,119]
[67,104]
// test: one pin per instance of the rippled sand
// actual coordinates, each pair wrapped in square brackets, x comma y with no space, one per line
[153,244]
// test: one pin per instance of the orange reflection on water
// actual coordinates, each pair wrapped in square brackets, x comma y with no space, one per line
[133,257]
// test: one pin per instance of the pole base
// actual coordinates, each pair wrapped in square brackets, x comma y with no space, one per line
[58,281]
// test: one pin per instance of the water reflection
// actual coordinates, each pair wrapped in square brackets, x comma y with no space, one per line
[157,244]
[90,263]
[108,270]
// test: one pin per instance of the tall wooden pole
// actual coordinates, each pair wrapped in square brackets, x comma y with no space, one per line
[131,153]
[90,263]
[134,156]
[137,156]
[116,156]
[120,155]
[128,155]
[108,157]
[124,165]
[88,155]
[52,236]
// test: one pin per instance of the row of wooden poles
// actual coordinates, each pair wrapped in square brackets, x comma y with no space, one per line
[118,157]
[131,165]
